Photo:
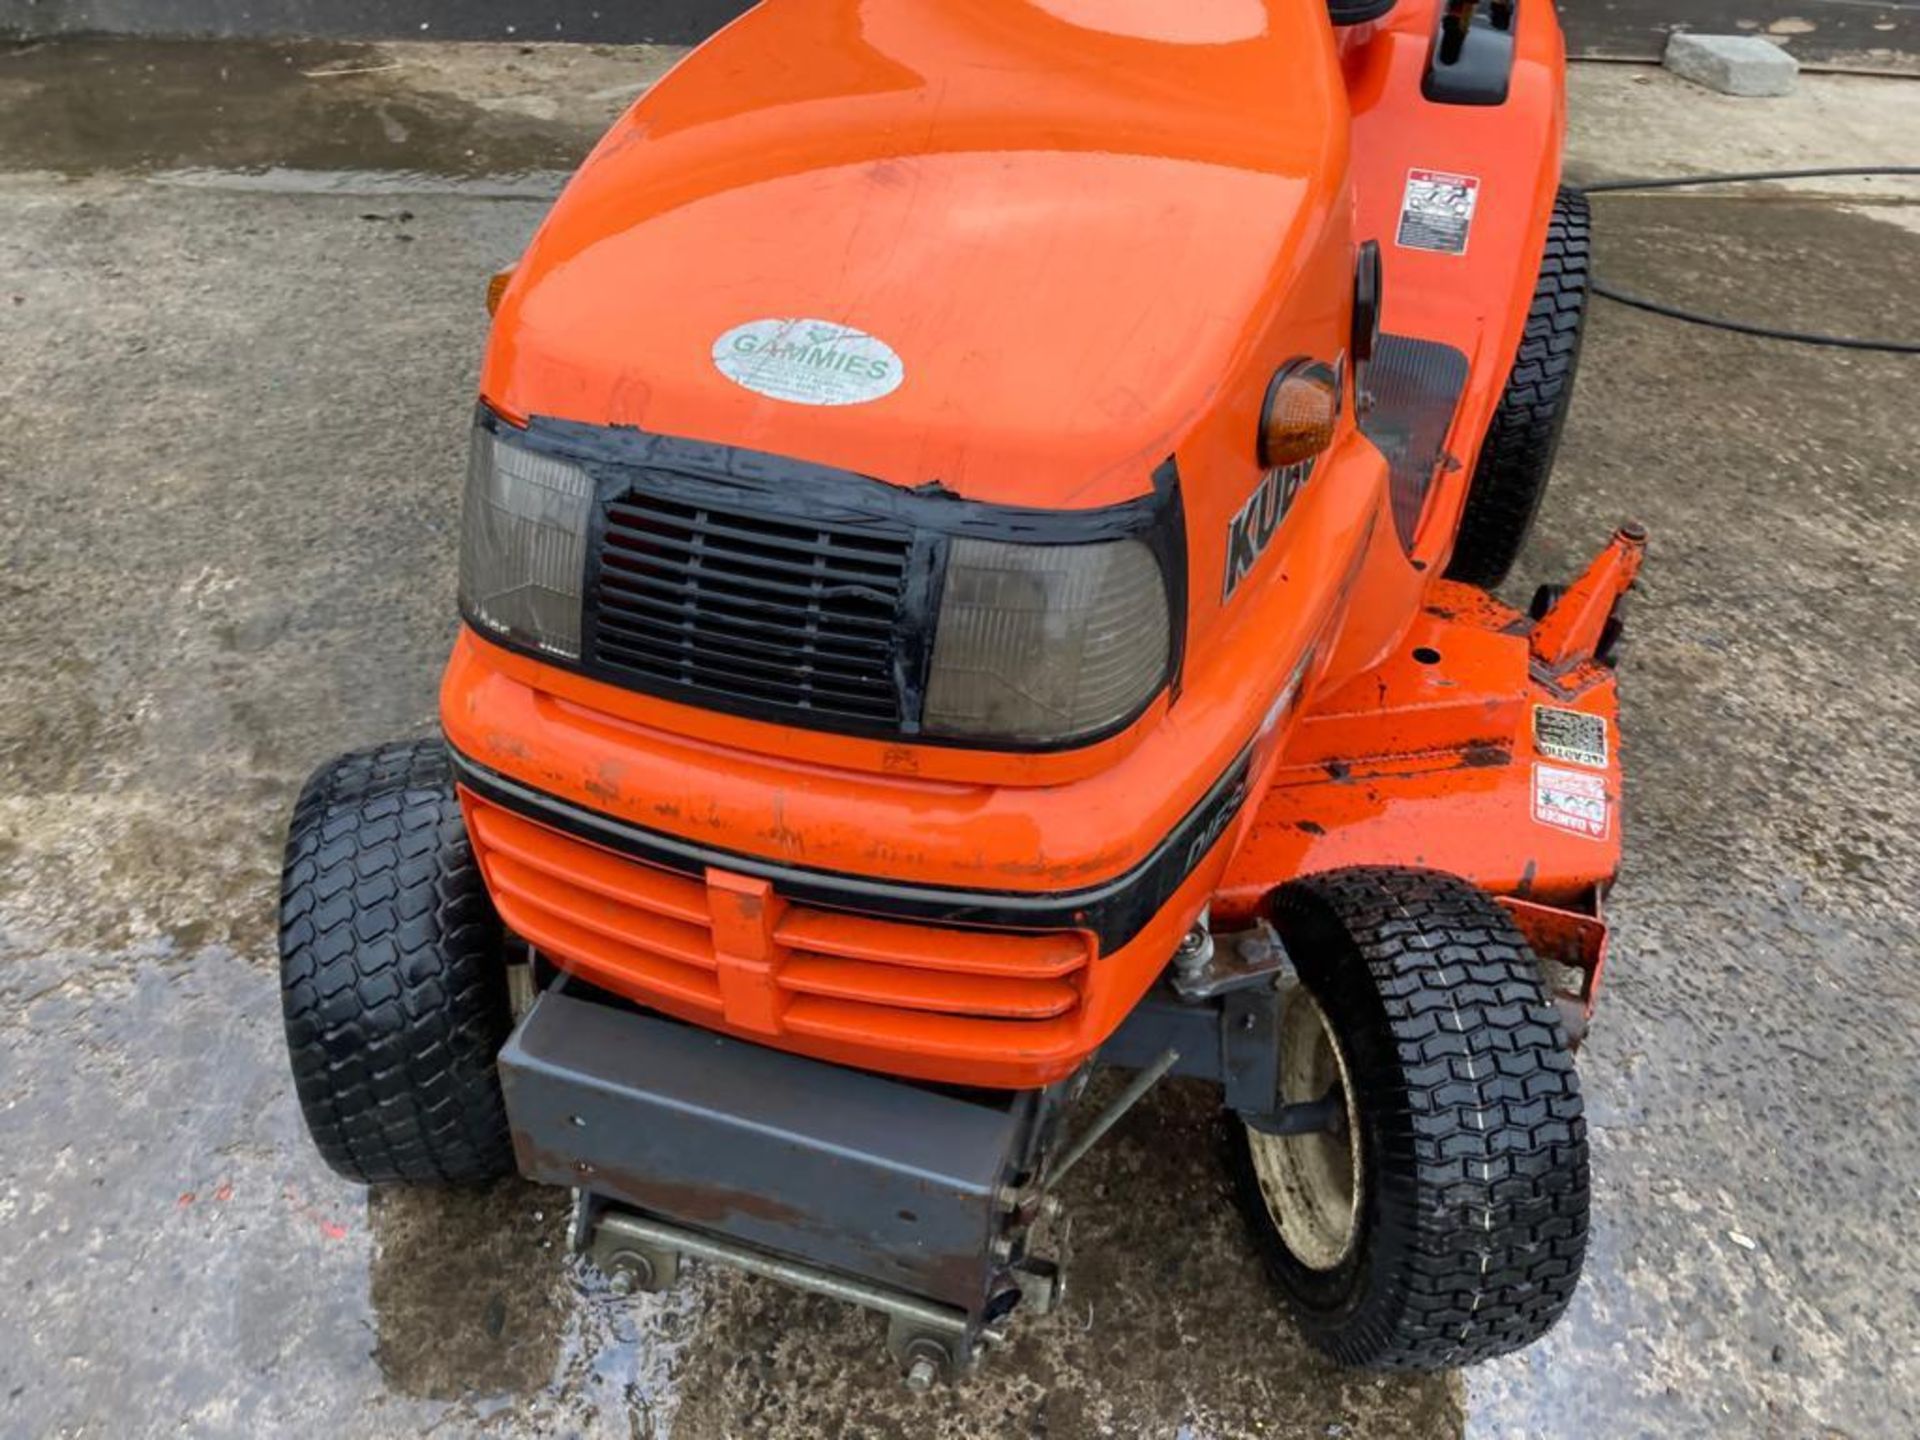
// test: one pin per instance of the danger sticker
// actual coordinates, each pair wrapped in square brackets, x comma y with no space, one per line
[1570,735]
[1571,800]
[1437,211]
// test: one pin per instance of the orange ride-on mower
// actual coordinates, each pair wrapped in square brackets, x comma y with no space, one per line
[975,570]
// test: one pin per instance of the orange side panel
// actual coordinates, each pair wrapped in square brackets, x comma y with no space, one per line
[1438,761]
[1513,152]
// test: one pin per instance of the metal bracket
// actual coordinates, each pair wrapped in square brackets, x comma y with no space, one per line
[1138,1086]
[523,986]
[1250,1049]
[930,1342]
[1240,961]
[1220,1013]
[587,1208]
[1325,1116]
[1043,1285]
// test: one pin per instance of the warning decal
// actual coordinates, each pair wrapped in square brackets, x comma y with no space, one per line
[1571,800]
[1437,211]
[1570,735]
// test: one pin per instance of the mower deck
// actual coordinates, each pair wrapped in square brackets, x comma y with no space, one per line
[1486,746]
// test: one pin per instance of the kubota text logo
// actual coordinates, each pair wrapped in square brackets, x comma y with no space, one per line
[1252,529]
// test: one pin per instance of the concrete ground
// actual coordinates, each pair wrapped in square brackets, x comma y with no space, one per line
[1875,34]
[240,315]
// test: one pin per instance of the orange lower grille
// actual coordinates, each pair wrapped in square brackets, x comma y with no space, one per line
[728,951]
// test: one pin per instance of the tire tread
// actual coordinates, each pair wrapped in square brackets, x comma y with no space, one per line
[391,982]
[1516,459]
[1481,1216]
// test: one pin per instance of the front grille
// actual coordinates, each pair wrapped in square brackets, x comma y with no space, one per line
[729,606]
[824,982]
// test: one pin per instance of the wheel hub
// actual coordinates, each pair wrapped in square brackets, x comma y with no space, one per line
[1313,1184]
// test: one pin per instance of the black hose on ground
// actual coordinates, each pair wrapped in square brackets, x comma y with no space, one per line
[1739,327]
[1741,177]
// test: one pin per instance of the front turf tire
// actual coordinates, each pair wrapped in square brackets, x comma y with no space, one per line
[391,974]
[1469,1221]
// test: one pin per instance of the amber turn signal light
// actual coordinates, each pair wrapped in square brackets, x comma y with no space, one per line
[1296,423]
[496,287]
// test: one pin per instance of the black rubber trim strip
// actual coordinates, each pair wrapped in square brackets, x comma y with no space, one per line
[621,459]
[1115,911]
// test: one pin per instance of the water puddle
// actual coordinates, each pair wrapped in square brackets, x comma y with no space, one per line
[86,107]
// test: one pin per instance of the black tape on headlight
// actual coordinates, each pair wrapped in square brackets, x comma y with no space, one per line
[779,589]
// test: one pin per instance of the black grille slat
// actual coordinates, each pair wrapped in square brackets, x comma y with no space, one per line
[754,585]
[769,612]
[759,609]
[625,522]
[721,652]
[711,674]
[764,629]
[656,509]
[745,648]
[645,543]
[712,670]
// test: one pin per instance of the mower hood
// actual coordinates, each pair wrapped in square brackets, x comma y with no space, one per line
[1005,246]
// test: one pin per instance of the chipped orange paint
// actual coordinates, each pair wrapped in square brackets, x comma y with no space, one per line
[926,1001]
[1573,938]
[1092,233]
[1432,763]
[1569,636]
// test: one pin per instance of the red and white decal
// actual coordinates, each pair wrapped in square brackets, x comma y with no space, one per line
[1572,800]
[1436,213]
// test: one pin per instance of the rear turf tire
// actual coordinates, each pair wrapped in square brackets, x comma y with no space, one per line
[391,976]
[1517,456]
[1468,1142]
[1358,12]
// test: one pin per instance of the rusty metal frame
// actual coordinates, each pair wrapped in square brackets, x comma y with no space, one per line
[896,1184]
[927,1339]
[1229,1037]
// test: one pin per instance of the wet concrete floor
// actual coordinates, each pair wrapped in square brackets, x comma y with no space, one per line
[229,470]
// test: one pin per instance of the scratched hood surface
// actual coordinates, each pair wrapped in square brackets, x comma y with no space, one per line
[1059,222]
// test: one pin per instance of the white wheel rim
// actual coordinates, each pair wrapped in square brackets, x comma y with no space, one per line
[1313,1185]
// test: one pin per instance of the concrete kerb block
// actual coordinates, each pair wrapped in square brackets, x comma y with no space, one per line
[1732,64]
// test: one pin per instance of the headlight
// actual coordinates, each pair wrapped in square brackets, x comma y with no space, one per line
[523,546]
[1046,642]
